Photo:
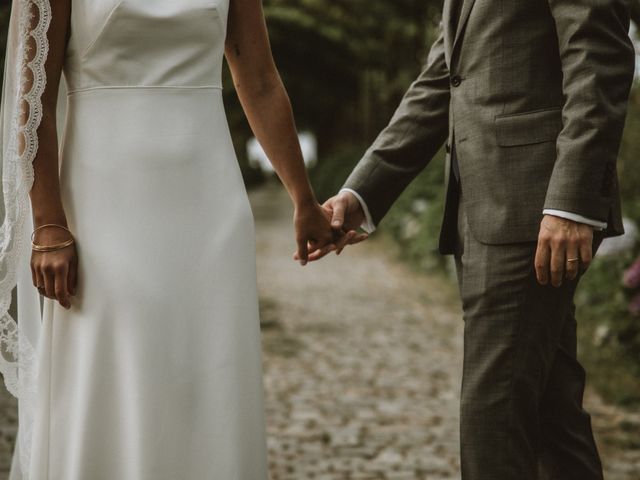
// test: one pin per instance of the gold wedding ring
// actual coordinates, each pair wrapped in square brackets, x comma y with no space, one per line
[570,260]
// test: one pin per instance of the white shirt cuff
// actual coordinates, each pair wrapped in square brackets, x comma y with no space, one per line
[368,225]
[596,224]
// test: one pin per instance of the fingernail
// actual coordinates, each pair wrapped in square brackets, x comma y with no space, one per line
[336,223]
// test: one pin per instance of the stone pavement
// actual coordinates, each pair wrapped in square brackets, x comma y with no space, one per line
[362,363]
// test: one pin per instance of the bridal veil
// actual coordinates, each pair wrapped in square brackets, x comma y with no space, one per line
[20,116]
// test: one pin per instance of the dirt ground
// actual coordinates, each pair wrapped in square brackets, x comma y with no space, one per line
[362,367]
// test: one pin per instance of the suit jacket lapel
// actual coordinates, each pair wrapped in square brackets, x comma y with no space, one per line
[467,5]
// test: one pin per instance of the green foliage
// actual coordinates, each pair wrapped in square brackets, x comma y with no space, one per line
[346,63]
[414,221]
[609,336]
[328,177]
[628,162]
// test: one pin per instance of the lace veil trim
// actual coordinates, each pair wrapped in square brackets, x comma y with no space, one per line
[20,116]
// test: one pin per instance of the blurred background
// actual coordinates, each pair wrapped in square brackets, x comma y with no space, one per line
[362,355]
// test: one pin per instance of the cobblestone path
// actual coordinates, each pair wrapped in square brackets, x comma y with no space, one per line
[362,363]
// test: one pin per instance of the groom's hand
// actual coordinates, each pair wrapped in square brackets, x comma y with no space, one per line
[346,218]
[564,246]
[346,211]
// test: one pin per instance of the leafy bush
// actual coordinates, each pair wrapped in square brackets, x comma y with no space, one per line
[328,176]
[414,220]
[609,334]
[609,331]
[629,159]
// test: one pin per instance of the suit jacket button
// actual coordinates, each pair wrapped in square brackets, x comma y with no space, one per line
[456,80]
[447,148]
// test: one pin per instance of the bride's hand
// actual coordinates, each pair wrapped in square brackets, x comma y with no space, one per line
[55,273]
[313,231]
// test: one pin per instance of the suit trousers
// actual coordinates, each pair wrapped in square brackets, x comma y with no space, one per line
[521,404]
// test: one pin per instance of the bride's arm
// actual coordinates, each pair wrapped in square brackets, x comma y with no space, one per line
[267,107]
[55,271]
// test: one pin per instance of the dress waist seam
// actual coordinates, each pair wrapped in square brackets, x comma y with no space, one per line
[144,87]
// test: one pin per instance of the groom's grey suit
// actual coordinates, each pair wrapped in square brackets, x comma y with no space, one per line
[531,95]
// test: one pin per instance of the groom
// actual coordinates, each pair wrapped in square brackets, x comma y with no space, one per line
[531,95]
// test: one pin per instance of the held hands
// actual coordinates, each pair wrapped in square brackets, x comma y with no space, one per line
[313,231]
[346,215]
[564,246]
[321,230]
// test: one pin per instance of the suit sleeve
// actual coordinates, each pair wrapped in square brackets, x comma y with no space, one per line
[416,132]
[598,66]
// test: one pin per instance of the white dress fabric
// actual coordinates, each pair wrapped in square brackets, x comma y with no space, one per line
[155,371]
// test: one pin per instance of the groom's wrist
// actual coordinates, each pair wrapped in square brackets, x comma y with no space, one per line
[368,225]
[596,224]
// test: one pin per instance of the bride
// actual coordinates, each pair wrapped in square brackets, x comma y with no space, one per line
[143,360]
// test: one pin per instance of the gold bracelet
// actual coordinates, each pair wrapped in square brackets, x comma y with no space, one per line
[50,248]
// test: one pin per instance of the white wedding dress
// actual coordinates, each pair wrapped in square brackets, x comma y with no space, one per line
[155,371]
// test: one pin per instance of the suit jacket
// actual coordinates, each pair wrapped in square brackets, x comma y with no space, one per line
[532,95]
